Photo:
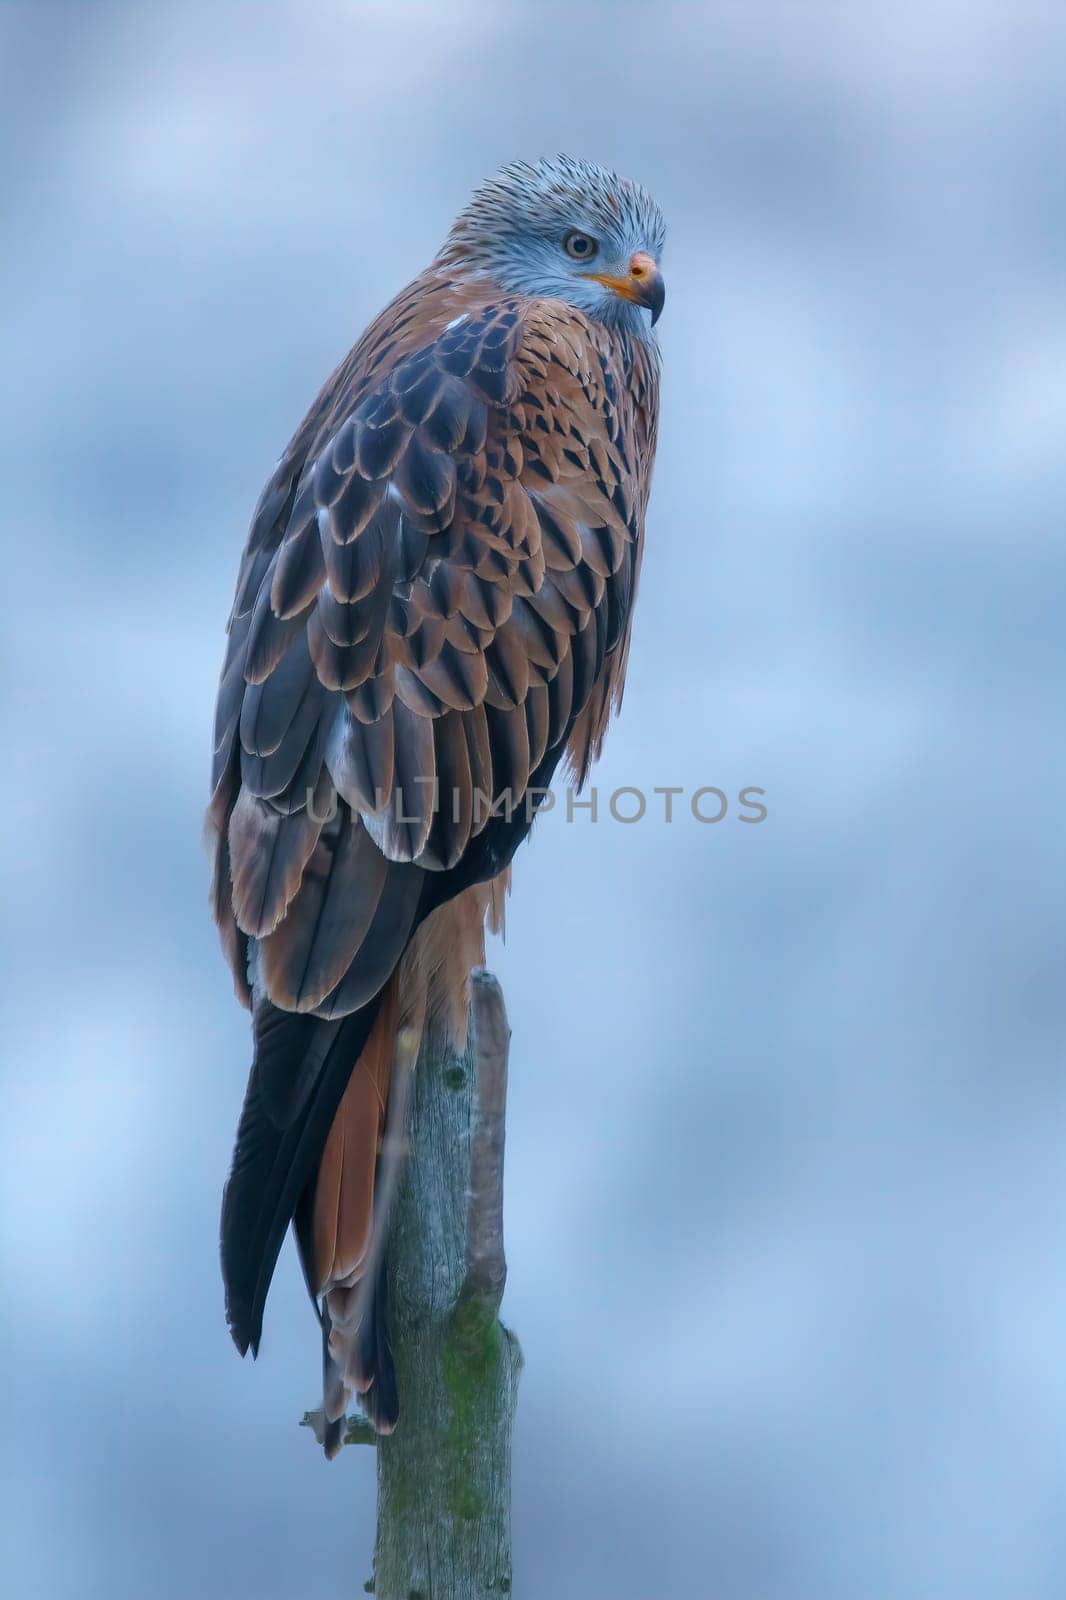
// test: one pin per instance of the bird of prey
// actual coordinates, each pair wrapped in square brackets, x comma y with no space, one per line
[432,614]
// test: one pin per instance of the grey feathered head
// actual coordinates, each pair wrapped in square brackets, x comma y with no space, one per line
[568,230]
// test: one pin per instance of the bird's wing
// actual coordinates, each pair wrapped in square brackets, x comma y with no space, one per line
[432,611]
[434,604]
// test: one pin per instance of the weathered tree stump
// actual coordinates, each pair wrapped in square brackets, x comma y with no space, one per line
[444,1476]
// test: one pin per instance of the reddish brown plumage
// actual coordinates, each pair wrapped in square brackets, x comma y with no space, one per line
[344,1189]
[437,590]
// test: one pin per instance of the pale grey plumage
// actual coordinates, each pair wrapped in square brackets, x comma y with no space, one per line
[514,224]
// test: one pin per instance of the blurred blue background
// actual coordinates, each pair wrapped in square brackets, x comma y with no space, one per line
[786,1188]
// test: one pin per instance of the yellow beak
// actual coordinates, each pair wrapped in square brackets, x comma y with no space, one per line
[643,284]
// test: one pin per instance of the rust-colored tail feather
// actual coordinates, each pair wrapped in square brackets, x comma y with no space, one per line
[341,1247]
[344,1188]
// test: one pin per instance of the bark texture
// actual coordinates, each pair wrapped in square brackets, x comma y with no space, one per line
[444,1476]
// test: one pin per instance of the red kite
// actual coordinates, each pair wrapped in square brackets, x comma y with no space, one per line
[432,613]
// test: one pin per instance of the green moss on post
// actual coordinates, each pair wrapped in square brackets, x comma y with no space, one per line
[444,1476]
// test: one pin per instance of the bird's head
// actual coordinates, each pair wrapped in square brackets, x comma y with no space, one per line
[567,230]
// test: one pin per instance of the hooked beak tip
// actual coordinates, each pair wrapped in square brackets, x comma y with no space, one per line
[646,285]
[643,285]
[652,291]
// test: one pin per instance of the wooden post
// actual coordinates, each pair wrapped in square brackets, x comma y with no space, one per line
[444,1476]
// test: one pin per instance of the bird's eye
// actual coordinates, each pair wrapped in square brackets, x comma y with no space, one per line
[580,246]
